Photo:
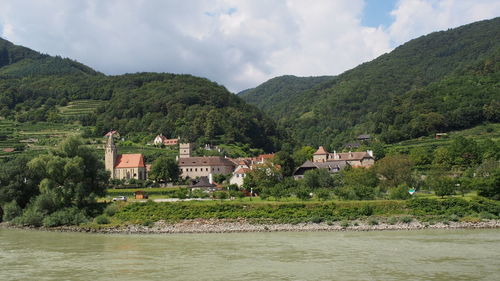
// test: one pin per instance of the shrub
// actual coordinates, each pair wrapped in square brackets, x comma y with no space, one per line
[220,195]
[317,219]
[102,219]
[46,203]
[344,224]
[399,193]
[366,210]
[31,216]
[392,220]
[111,210]
[68,216]
[373,221]
[487,216]
[11,210]
[406,219]
[323,194]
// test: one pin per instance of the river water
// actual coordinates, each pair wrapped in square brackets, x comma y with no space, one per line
[382,255]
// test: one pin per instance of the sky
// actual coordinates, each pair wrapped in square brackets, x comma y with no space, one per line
[236,43]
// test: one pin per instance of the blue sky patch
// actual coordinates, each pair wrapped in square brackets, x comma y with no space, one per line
[377,12]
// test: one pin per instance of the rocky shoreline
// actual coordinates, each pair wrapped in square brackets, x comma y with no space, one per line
[225,226]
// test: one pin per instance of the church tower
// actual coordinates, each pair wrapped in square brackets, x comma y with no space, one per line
[110,156]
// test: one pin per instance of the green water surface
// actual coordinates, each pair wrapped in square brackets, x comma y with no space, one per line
[383,255]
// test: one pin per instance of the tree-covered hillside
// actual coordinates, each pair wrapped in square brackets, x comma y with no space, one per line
[19,61]
[34,86]
[439,82]
[275,94]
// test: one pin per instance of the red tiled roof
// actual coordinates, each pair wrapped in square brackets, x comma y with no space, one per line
[130,161]
[8,149]
[242,171]
[266,156]
[321,150]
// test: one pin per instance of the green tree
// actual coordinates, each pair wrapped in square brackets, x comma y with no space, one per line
[17,183]
[286,162]
[262,178]
[465,152]
[165,169]
[395,170]
[318,178]
[421,156]
[360,176]
[303,154]
[72,173]
[442,185]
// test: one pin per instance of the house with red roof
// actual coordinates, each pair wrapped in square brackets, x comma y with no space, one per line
[123,166]
[161,139]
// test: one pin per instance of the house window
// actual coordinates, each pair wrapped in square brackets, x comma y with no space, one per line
[196,169]
[207,169]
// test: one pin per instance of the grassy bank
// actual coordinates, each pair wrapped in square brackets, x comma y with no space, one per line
[452,209]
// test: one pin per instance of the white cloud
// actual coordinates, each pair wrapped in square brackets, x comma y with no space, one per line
[414,18]
[237,43]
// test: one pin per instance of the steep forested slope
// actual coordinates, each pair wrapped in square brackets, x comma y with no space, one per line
[33,85]
[438,82]
[275,94]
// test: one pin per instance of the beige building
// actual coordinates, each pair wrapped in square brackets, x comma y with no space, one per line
[354,159]
[197,167]
[123,166]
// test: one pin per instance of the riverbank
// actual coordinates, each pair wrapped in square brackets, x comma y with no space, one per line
[231,226]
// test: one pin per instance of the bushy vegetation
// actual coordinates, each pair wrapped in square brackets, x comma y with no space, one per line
[276,212]
[311,212]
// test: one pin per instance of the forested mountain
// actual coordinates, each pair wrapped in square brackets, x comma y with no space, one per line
[439,82]
[275,94]
[33,85]
[19,61]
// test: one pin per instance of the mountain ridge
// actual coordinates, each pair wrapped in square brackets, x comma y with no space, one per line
[358,100]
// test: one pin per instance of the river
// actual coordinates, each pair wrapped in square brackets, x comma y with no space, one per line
[377,255]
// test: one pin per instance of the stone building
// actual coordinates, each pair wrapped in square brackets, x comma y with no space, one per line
[123,166]
[335,162]
[354,159]
[197,167]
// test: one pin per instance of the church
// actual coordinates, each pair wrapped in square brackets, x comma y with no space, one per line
[123,166]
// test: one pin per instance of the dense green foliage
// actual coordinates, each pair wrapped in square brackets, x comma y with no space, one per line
[274,95]
[53,189]
[439,82]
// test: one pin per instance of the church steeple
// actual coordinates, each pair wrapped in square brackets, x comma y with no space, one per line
[110,156]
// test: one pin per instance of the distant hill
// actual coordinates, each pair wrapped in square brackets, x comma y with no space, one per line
[278,92]
[33,86]
[19,61]
[443,81]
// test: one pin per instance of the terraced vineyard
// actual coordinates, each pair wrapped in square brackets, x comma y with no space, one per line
[478,133]
[32,137]
[78,108]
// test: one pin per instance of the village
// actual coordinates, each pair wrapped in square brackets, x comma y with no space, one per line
[200,171]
